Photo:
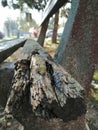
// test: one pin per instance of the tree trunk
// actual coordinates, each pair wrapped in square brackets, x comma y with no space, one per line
[42,34]
[55,29]
[78,49]
[29,19]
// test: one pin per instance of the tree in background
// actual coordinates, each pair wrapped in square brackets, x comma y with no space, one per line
[55,28]
[64,13]
[42,34]
[37,4]
[24,25]
[13,27]
[56,20]
[61,13]
[10,27]
[20,4]
[50,25]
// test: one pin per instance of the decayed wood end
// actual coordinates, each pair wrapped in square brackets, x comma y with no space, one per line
[29,47]
[6,75]
[44,95]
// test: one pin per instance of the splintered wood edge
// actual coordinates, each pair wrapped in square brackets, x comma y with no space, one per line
[31,46]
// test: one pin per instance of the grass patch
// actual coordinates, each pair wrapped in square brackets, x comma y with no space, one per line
[94,102]
[94,94]
[50,47]
[95,77]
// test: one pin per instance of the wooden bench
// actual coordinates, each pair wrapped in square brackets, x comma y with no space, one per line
[51,8]
[10,46]
[7,68]
[6,75]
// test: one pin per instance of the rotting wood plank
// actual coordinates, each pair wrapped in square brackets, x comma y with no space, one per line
[9,46]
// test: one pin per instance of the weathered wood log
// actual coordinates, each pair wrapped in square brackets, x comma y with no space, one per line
[29,47]
[9,46]
[43,94]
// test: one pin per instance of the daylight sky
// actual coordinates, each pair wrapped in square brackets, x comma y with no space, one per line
[6,13]
[13,14]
